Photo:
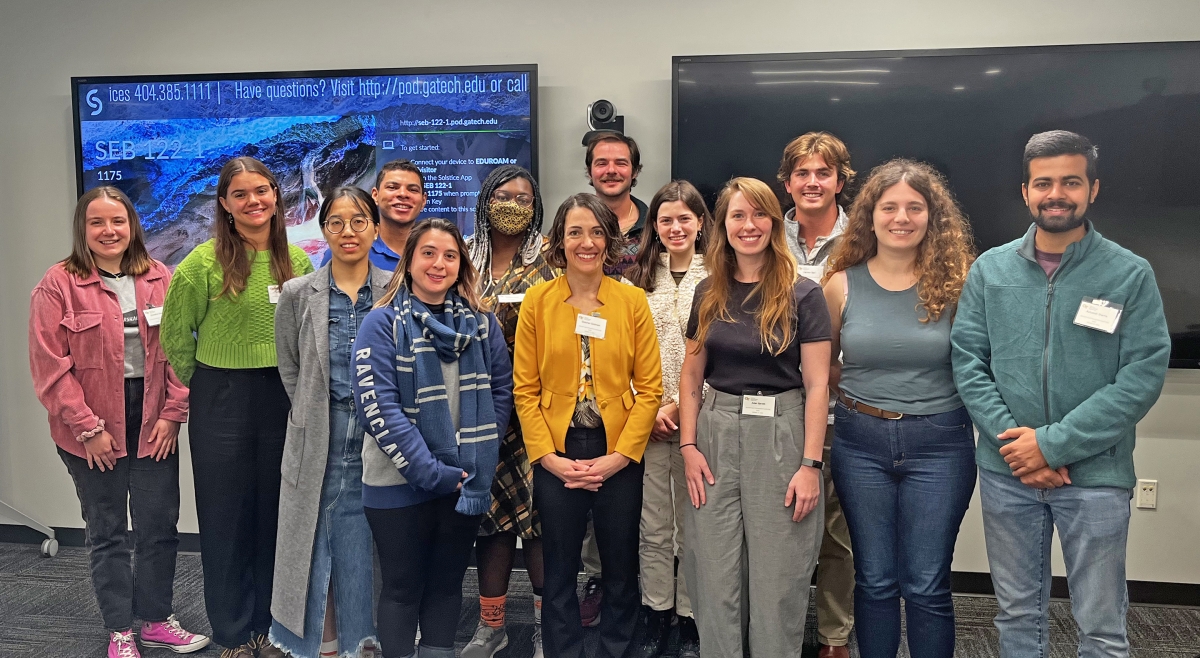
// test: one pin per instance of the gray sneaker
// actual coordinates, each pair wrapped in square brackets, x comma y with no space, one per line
[486,643]
[537,641]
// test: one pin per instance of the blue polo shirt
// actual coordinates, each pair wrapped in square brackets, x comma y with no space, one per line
[381,256]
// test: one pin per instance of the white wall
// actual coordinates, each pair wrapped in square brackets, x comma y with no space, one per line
[620,50]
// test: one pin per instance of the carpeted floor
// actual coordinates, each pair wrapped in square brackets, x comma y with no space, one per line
[49,609]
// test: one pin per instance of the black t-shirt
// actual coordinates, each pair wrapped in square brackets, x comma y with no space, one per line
[737,359]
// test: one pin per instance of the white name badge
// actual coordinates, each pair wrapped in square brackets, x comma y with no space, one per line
[1098,314]
[153,316]
[511,299]
[758,405]
[813,272]
[591,326]
[273,293]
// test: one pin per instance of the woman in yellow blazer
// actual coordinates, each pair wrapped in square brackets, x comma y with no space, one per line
[587,383]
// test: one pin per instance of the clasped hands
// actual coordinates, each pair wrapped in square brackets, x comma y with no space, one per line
[587,474]
[1024,457]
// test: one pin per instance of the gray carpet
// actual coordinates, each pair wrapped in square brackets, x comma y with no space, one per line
[48,609]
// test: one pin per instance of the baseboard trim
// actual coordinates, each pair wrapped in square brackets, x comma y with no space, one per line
[1140,591]
[961,582]
[19,534]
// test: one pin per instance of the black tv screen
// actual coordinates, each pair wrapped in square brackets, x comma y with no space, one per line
[969,113]
[163,139]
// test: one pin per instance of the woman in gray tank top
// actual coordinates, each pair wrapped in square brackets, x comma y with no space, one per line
[903,450]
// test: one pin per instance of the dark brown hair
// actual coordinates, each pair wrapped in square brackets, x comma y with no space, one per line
[136,260]
[635,156]
[231,247]
[641,272]
[613,240]
[945,253]
[399,165]
[467,283]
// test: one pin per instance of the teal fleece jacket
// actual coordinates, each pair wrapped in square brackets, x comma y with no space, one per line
[1020,361]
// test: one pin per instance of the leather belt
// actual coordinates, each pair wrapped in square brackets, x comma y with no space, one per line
[868,409]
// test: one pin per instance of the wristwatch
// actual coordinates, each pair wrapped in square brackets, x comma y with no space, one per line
[815,463]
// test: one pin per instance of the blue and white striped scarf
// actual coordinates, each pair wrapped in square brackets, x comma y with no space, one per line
[423,341]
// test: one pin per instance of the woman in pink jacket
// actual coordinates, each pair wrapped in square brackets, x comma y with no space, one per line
[115,408]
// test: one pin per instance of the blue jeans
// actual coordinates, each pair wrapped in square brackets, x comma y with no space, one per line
[1093,525]
[341,550]
[905,486]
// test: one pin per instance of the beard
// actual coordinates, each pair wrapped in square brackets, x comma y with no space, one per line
[1060,224]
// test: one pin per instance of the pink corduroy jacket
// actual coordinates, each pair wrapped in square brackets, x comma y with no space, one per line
[77,358]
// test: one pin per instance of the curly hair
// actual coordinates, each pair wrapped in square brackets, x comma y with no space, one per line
[945,253]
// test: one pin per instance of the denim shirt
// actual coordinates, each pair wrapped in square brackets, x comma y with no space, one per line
[344,320]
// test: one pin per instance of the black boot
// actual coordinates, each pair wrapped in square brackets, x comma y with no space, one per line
[689,638]
[655,628]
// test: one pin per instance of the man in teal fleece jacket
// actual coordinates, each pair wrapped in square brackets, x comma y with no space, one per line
[1060,347]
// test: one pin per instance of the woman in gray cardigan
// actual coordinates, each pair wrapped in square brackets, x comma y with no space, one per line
[321,602]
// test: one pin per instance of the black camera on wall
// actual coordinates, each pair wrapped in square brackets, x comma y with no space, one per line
[602,117]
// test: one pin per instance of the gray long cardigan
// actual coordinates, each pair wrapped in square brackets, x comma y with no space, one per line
[302,344]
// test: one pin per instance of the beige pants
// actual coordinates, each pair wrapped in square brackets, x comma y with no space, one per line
[664,497]
[835,568]
[748,564]
[590,554]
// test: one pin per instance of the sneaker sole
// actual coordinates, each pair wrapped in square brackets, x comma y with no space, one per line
[179,648]
[498,649]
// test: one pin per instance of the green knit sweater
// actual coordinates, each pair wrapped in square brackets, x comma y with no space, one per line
[225,331]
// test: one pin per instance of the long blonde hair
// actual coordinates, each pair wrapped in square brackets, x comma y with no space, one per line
[776,312]
[945,253]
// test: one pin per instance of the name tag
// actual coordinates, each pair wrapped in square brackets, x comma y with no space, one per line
[591,326]
[273,293]
[510,299]
[813,272]
[153,316]
[1098,314]
[758,405]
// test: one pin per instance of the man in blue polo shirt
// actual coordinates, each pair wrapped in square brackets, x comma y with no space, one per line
[400,194]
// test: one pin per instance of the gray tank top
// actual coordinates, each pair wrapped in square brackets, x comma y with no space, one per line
[890,359]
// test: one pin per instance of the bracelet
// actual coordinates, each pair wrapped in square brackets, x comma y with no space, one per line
[687,445]
[92,432]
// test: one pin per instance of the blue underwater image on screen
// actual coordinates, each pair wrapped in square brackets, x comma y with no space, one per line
[163,141]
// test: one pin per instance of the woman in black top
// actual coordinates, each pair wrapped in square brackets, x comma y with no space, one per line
[760,337]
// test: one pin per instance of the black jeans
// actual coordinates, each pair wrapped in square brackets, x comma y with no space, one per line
[423,553]
[151,490]
[616,513]
[237,429]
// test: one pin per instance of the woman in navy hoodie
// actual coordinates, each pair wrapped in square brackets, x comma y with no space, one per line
[433,385]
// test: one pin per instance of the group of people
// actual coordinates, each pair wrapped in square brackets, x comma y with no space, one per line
[705,407]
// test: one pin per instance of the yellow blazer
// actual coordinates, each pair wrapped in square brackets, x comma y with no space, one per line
[547,359]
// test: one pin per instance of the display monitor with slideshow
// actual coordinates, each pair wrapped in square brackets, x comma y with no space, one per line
[969,113]
[163,140]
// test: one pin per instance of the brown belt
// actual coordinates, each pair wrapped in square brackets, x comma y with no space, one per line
[868,409]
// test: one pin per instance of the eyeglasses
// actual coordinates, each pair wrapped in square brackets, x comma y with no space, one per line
[523,200]
[337,225]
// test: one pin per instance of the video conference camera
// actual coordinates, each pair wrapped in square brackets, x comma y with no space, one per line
[602,117]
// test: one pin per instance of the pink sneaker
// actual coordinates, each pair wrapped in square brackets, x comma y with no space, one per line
[120,645]
[170,635]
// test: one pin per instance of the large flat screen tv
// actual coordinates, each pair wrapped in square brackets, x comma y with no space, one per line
[163,139]
[969,113]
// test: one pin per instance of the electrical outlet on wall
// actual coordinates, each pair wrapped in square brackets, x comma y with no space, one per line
[1147,494]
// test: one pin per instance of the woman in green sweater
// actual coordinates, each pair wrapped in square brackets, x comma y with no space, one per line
[218,332]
